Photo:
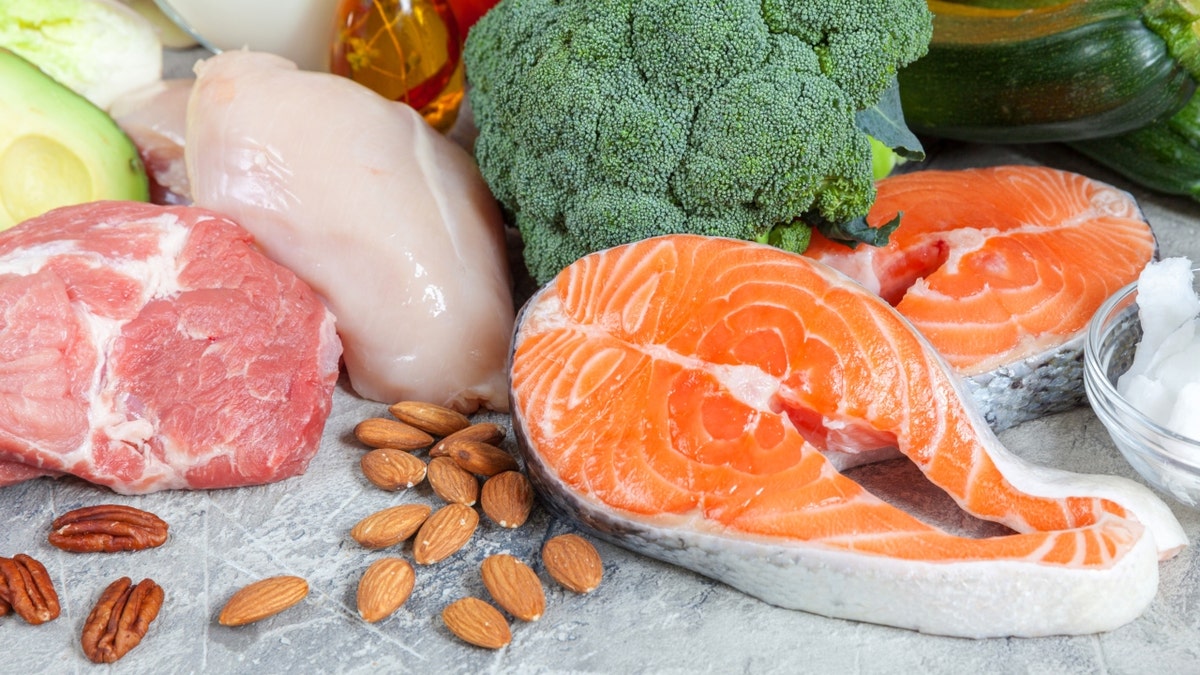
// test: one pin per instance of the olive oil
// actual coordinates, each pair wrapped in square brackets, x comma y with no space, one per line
[407,50]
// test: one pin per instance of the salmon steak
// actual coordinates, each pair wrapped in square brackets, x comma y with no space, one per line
[1001,268]
[678,396]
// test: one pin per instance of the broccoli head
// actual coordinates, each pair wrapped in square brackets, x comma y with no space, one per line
[602,122]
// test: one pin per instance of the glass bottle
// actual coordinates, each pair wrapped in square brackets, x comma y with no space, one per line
[407,50]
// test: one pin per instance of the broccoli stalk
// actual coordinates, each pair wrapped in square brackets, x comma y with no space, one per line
[602,122]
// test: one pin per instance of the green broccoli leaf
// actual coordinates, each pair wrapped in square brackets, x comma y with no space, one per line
[856,231]
[885,123]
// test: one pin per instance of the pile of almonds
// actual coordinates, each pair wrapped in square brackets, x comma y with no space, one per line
[460,453]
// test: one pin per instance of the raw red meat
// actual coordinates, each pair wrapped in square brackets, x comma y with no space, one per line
[149,347]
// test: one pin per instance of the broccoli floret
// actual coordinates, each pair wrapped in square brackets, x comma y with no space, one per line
[602,122]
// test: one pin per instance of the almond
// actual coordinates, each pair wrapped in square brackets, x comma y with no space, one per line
[514,586]
[573,562]
[480,458]
[477,622]
[507,498]
[452,483]
[379,432]
[262,599]
[392,469]
[384,587]
[390,526]
[428,417]
[484,432]
[443,533]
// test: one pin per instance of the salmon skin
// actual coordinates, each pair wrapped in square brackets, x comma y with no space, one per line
[676,396]
[1001,268]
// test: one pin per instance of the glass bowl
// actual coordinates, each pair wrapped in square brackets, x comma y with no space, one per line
[1168,461]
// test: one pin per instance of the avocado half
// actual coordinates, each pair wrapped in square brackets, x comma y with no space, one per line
[56,148]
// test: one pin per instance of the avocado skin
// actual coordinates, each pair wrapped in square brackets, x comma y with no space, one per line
[57,148]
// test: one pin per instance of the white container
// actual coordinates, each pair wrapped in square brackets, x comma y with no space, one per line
[299,30]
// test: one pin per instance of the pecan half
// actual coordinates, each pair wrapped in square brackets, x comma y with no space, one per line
[120,619]
[5,608]
[28,589]
[107,528]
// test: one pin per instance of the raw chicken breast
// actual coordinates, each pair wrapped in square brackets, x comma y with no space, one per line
[387,219]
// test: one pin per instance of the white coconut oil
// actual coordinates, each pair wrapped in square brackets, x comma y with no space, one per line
[1164,380]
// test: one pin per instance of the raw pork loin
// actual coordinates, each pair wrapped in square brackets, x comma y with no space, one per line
[147,348]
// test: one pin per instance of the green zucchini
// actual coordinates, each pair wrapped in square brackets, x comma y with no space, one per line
[1027,71]
[1163,156]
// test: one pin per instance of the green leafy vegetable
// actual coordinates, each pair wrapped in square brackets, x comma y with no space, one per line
[606,121]
[100,49]
[884,123]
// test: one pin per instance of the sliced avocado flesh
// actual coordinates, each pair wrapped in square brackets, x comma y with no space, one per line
[56,148]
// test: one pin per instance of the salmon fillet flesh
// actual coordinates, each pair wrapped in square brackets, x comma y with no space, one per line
[1001,268]
[679,396]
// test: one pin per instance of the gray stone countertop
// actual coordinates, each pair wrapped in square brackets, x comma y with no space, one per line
[645,617]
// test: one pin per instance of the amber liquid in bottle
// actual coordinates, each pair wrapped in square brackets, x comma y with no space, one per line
[407,50]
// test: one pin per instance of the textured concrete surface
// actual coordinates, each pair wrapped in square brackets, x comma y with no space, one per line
[645,617]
